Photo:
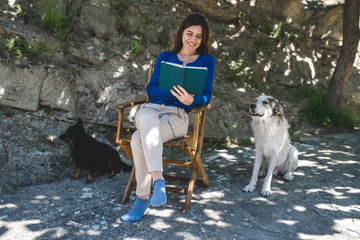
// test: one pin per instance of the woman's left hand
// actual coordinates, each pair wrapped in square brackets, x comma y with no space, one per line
[182,95]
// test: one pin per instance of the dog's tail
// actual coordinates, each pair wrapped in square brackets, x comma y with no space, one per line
[119,165]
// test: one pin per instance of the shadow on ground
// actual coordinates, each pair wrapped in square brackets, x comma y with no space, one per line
[322,202]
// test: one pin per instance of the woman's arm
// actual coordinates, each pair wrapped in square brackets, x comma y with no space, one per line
[153,90]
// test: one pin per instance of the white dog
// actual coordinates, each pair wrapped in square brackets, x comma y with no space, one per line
[274,153]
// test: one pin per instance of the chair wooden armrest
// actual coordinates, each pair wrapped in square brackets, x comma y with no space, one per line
[129,104]
[200,108]
[121,107]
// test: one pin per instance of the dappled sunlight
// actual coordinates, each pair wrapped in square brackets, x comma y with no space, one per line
[292,207]
[185,235]
[164,213]
[119,72]
[287,222]
[8,205]
[160,224]
[132,113]
[330,152]
[62,99]
[299,208]
[335,207]
[20,229]
[186,220]
[151,135]
[263,200]
[213,214]
[2,91]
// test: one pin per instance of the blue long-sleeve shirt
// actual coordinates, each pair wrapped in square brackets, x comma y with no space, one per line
[161,96]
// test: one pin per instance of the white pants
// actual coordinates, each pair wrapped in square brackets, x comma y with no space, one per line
[155,124]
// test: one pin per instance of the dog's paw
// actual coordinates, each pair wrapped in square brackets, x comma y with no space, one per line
[249,188]
[288,176]
[266,192]
[89,180]
[112,174]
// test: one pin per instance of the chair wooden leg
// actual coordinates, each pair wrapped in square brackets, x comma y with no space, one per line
[190,191]
[129,186]
[201,170]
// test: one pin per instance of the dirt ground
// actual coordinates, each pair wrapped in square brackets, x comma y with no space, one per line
[322,202]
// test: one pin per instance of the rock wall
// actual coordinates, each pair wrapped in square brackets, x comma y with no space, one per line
[99,69]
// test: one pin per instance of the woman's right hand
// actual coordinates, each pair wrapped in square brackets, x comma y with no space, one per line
[182,95]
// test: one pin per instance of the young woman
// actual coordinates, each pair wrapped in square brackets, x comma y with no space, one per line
[165,117]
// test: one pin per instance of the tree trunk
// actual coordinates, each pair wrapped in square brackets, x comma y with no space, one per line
[343,69]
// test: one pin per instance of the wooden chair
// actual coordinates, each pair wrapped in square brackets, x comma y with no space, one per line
[191,144]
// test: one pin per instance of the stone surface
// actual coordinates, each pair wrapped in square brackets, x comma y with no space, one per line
[20,85]
[58,90]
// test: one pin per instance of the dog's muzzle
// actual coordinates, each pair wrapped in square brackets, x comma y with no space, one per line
[253,112]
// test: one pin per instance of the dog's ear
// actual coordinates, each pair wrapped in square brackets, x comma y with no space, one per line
[278,111]
[79,124]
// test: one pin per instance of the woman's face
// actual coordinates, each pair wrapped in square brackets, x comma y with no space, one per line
[191,38]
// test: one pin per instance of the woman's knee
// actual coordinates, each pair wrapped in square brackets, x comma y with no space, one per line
[145,115]
[135,139]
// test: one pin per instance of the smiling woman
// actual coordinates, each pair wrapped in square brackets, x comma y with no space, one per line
[165,117]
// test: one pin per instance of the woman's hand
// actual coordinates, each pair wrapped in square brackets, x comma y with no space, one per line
[182,95]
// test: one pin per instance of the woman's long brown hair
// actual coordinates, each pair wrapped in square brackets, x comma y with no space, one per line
[193,20]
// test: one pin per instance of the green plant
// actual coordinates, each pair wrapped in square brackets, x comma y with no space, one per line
[7,111]
[163,39]
[12,188]
[120,7]
[174,154]
[226,125]
[275,33]
[320,112]
[53,15]
[135,48]
[247,141]
[292,36]
[19,47]
[41,148]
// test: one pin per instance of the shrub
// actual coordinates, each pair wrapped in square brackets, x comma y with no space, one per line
[53,15]
[19,47]
[320,112]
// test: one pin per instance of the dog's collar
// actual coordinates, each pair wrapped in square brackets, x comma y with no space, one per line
[257,115]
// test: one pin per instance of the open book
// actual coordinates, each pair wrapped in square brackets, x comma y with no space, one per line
[191,78]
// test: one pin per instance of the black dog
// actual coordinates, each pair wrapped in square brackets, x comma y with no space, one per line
[87,153]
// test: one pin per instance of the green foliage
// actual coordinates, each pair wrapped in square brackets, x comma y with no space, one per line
[247,141]
[6,111]
[163,39]
[19,47]
[241,72]
[41,148]
[320,112]
[135,48]
[120,7]
[174,154]
[12,189]
[276,31]
[53,16]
